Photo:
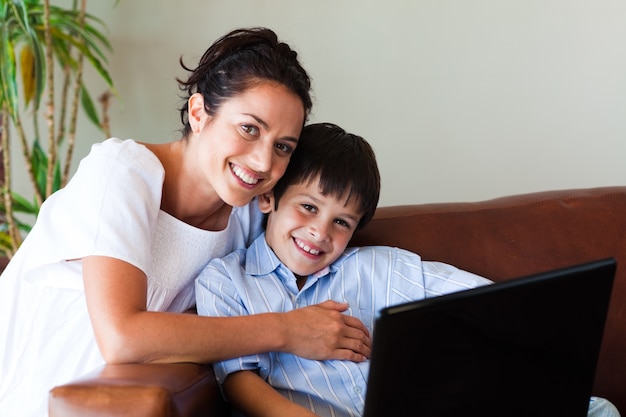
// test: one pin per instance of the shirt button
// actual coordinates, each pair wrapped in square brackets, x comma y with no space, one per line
[357,389]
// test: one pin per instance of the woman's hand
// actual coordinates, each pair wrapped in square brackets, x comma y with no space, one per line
[116,294]
[322,332]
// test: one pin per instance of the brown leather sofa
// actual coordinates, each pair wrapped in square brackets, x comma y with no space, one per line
[500,239]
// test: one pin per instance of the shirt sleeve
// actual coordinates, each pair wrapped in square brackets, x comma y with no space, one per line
[108,208]
[217,295]
[415,279]
[249,222]
[441,278]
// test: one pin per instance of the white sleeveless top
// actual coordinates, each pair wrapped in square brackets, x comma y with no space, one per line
[111,207]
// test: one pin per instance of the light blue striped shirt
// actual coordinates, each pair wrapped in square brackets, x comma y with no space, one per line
[253,280]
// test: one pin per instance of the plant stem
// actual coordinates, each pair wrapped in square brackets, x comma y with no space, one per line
[26,153]
[52,146]
[71,139]
[67,75]
[13,231]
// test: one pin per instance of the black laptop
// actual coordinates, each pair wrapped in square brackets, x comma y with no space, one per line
[524,347]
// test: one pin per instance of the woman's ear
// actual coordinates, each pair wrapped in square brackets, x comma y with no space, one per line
[266,202]
[197,112]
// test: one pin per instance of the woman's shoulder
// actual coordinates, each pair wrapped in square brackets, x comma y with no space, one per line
[117,172]
[127,150]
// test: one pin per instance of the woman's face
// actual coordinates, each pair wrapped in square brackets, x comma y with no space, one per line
[245,147]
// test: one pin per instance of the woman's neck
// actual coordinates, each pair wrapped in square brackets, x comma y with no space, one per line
[182,197]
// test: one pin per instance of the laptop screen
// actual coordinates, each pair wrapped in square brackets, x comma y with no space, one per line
[524,347]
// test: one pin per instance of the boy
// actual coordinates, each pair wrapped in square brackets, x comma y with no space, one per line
[330,189]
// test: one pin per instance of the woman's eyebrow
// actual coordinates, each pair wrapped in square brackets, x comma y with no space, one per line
[258,120]
[266,126]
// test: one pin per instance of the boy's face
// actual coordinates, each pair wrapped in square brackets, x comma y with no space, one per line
[309,231]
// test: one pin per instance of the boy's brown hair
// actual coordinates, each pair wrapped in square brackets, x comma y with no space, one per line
[344,164]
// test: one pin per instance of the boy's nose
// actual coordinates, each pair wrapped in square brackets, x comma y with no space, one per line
[319,231]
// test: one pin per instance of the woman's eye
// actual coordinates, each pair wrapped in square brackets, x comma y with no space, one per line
[250,130]
[284,148]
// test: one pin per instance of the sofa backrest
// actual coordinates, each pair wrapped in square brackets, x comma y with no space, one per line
[519,235]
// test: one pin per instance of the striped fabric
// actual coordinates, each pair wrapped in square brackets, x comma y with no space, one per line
[254,281]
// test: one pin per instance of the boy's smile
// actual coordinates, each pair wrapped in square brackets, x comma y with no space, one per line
[308,230]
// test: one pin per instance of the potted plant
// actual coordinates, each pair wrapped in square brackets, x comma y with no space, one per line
[37,41]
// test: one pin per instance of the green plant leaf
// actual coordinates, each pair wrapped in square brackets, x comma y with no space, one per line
[24,227]
[22,205]
[39,70]
[8,73]
[39,163]
[88,106]
[22,30]
[6,245]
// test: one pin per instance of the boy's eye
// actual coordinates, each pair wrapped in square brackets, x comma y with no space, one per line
[343,223]
[309,207]
[250,130]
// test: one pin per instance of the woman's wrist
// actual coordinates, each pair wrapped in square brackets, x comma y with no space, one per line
[276,331]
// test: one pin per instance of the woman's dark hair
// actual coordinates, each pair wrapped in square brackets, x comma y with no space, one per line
[239,60]
[344,164]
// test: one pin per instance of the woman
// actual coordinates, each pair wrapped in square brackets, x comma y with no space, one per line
[108,270]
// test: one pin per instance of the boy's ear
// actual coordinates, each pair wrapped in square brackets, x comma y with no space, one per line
[266,202]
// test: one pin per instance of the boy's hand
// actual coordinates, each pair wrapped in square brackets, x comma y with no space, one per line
[247,392]
[322,332]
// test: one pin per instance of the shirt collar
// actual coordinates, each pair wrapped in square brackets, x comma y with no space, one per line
[260,258]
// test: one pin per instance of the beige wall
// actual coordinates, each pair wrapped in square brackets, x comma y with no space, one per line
[462,100]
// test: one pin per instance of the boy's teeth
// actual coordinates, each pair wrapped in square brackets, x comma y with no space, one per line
[307,249]
[243,176]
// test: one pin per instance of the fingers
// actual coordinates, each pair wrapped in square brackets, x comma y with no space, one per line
[355,351]
[356,339]
[349,355]
[334,305]
[355,329]
[356,324]
[323,332]
[351,339]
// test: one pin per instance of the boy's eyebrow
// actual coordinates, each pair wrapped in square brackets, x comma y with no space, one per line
[266,126]
[311,196]
[352,217]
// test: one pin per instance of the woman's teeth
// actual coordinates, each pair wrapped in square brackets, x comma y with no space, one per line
[240,173]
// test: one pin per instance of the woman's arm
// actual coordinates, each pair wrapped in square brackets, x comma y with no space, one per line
[254,397]
[116,294]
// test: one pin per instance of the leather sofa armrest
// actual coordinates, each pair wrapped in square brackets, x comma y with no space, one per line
[154,390]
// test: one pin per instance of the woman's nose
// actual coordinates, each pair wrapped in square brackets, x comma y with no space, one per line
[262,157]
